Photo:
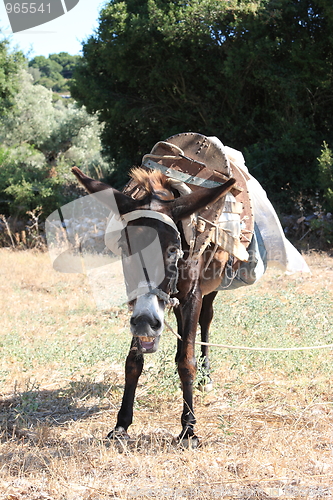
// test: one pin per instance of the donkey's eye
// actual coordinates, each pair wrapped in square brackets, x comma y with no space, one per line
[173,252]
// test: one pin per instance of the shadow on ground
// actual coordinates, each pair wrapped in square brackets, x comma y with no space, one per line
[23,411]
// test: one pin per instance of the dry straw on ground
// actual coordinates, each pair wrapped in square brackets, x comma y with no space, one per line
[266,430]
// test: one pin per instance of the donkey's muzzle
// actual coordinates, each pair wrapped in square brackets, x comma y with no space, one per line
[148,345]
[145,325]
[147,329]
[147,322]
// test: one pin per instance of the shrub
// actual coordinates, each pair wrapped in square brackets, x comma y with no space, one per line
[325,161]
[27,181]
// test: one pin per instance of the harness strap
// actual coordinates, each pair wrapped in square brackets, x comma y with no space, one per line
[171,301]
[151,214]
[223,239]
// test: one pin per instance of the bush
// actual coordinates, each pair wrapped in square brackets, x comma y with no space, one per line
[325,161]
[27,182]
[41,141]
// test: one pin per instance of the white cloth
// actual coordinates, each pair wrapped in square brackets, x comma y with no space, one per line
[280,252]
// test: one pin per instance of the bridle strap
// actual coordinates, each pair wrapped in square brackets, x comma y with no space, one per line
[165,297]
[150,214]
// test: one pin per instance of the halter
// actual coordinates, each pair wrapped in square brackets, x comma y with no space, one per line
[138,214]
[151,214]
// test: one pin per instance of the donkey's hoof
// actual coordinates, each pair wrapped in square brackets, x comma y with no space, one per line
[206,387]
[188,440]
[190,443]
[118,433]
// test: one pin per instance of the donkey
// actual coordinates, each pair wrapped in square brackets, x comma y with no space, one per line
[186,285]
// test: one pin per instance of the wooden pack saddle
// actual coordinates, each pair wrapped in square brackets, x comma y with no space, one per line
[199,161]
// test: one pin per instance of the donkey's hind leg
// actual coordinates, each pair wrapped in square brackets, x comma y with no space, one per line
[205,319]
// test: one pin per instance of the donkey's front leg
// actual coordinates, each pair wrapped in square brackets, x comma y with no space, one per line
[187,366]
[133,370]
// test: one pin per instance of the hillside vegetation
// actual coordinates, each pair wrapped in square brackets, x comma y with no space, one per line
[53,72]
[257,74]
[42,136]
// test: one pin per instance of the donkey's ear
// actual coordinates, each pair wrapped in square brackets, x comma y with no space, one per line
[184,206]
[113,199]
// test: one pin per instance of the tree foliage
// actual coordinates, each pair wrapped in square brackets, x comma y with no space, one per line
[67,63]
[41,140]
[256,73]
[53,72]
[325,161]
[10,64]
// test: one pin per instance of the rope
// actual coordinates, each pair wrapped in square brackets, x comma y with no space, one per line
[245,348]
[232,275]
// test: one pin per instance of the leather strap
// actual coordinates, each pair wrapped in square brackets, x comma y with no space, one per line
[150,214]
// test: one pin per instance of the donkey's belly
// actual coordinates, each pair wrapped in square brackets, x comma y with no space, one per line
[210,286]
[211,275]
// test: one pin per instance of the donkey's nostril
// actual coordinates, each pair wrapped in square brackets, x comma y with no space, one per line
[133,320]
[143,319]
[156,325]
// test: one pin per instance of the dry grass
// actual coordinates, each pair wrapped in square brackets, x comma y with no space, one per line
[265,430]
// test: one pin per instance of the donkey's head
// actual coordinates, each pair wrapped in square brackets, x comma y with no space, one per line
[150,244]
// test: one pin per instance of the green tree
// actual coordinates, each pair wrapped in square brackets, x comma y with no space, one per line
[32,118]
[54,71]
[50,71]
[67,63]
[35,73]
[291,86]
[255,73]
[40,142]
[26,182]
[10,64]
